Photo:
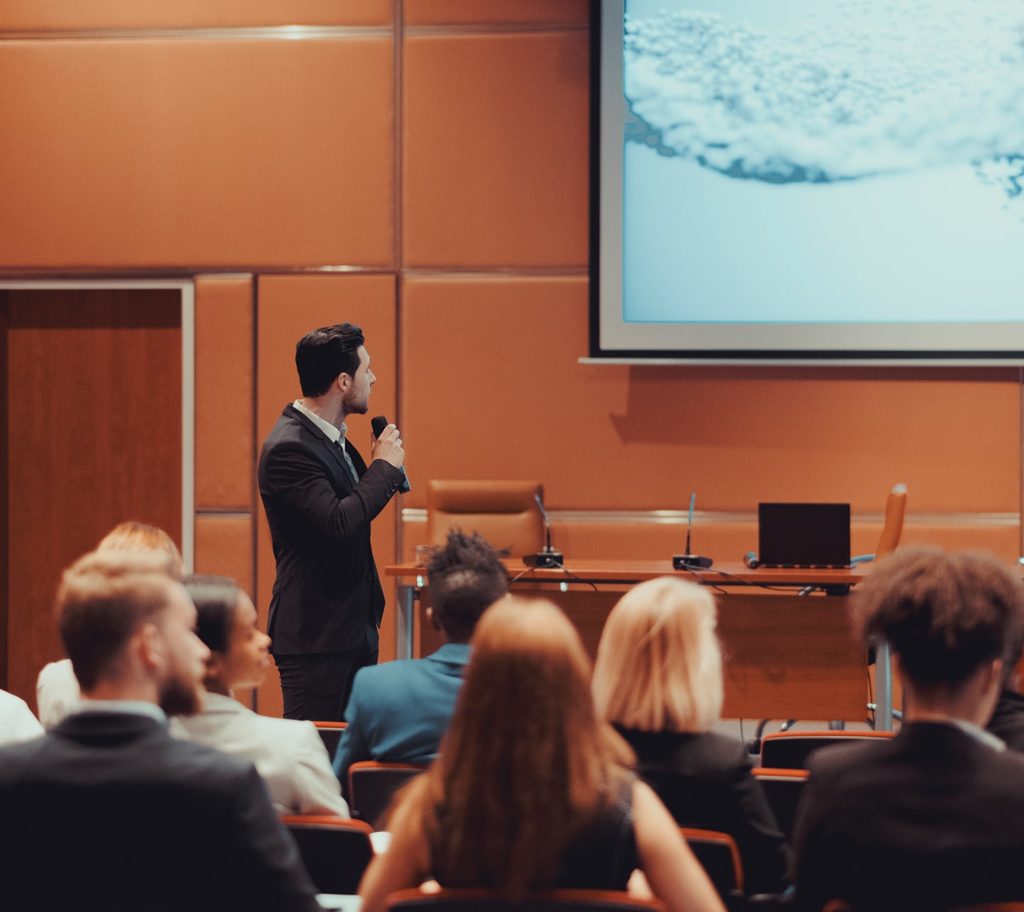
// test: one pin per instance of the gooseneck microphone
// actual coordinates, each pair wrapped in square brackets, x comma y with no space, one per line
[549,557]
[689,560]
[378,424]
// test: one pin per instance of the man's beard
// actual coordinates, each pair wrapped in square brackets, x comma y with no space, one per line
[179,697]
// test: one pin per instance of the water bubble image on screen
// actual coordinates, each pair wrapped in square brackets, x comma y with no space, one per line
[827,161]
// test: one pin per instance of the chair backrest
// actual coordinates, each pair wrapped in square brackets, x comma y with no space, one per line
[503,512]
[840,905]
[330,734]
[892,531]
[782,789]
[547,901]
[720,858]
[336,852]
[791,750]
[372,785]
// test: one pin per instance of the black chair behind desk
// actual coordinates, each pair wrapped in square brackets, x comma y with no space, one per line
[491,901]
[335,851]
[372,785]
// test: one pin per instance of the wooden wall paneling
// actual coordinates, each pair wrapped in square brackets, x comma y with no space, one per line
[224,393]
[94,403]
[202,153]
[224,546]
[288,307]
[495,151]
[53,15]
[643,438]
[5,480]
[473,12]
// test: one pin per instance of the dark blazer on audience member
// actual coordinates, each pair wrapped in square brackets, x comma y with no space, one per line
[933,818]
[1008,720]
[705,781]
[107,811]
[326,589]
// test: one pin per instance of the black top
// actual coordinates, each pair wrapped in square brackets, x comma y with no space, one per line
[705,781]
[109,812]
[1008,720]
[932,819]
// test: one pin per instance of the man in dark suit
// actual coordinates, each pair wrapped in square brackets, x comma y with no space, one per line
[320,498]
[399,711]
[933,818]
[107,811]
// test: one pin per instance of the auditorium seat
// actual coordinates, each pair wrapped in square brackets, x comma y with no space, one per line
[782,789]
[330,734]
[372,785]
[719,856]
[465,900]
[336,852]
[791,749]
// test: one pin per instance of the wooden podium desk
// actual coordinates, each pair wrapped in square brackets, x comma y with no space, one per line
[786,643]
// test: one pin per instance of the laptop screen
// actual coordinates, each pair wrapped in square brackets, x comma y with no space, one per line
[803,534]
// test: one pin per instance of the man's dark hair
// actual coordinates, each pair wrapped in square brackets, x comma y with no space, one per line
[943,614]
[326,352]
[215,598]
[466,577]
[103,599]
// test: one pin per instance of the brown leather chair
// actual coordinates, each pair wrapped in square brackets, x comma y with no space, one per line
[503,512]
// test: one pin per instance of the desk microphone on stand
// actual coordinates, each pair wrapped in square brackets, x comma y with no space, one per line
[689,560]
[549,557]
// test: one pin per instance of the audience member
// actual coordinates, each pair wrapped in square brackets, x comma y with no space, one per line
[398,711]
[658,679]
[933,818]
[16,720]
[528,792]
[107,811]
[1007,722]
[287,753]
[57,689]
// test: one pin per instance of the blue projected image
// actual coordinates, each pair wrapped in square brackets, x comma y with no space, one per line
[825,161]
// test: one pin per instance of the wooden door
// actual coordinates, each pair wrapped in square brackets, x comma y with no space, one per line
[92,420]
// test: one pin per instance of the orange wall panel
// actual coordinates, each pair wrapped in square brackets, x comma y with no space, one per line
[616,437]
[42,15]
[224,392]
[471,12]
[177,153]
[224,546]
[495,149]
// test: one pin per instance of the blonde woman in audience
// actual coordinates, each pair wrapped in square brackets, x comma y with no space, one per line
[287,753]
[530,791]
[658,679]
[57,689]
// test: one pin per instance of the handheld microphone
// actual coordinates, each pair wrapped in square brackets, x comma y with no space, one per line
[689,560]
[549,557]
[378,424]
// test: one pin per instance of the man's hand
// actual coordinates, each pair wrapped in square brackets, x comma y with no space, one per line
[389,447]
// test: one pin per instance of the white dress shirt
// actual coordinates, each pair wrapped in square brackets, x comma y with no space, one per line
[57,692]
[16,720]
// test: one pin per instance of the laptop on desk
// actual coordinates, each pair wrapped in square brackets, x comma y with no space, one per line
[805,535]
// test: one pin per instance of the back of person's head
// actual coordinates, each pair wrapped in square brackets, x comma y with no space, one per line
[659,666]
[943,614]
[103,600]
[139,536]
[525,761]
[324,353]
[216,599]
[466,577]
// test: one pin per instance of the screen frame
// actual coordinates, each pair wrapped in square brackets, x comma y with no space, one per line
[613,340]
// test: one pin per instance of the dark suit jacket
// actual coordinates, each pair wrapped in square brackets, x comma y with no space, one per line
[327,589]
[107,811]
[1007,721]
[932,819]
[705,781]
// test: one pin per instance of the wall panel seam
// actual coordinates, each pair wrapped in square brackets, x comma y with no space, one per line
[229,33]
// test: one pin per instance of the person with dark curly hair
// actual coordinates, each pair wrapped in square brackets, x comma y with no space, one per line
[399,711]
[934,818]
